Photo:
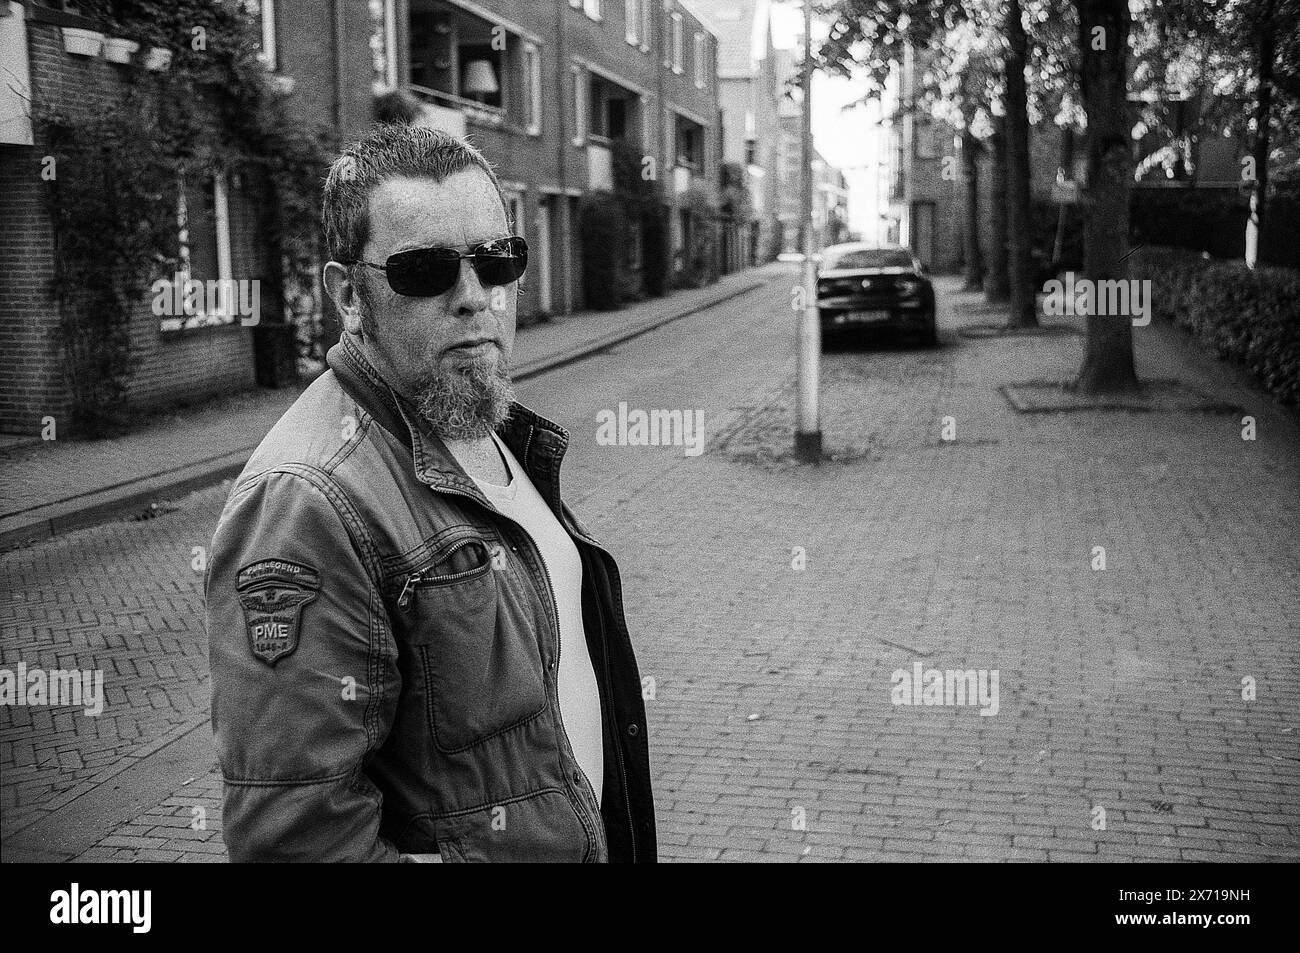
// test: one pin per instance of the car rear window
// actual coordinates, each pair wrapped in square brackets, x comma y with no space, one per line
[869,258]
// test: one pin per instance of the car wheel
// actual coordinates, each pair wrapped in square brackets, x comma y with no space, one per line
[930,336]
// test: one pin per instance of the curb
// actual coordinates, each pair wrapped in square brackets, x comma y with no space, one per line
[91,509]
[553,361]
[100,506]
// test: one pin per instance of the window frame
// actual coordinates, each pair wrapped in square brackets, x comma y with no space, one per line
[632,24]
[224,316]
[581,104]
[678,40]
[647,24]
[532,77]
[266,52]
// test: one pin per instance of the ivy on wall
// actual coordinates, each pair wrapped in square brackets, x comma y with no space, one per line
[119,169]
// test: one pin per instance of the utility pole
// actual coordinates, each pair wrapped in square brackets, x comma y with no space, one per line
[808,341]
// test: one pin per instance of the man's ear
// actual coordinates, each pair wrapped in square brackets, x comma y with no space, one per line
[345,294]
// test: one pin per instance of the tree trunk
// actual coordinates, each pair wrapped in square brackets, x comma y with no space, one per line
[995,284]
[1024,306]
[1263,102]
[971,181]
[1103,48]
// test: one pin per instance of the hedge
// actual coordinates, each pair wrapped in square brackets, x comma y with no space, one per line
[1251,318]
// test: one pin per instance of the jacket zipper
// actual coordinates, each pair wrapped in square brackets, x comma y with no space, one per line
[415,578]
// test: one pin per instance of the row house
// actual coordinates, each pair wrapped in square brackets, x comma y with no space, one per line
[830,193]
[547,90]
[749,94]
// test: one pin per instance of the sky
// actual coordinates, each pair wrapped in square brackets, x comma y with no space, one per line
[852,141]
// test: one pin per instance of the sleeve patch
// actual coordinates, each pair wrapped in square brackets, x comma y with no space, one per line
[273,593]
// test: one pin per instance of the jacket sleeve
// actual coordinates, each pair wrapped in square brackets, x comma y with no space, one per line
[304,676]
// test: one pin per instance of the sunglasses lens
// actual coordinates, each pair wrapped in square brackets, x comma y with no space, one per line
[501,262]
[423,272]
[427,272]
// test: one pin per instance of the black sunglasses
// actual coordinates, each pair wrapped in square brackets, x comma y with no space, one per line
[426,272]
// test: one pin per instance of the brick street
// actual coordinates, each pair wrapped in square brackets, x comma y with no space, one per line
[773,734]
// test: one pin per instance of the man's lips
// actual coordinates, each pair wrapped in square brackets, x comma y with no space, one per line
[474,346]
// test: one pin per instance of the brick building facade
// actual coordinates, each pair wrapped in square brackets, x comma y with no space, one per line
[173,366]
[547,90]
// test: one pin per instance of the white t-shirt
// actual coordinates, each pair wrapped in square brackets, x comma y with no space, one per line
[578,691]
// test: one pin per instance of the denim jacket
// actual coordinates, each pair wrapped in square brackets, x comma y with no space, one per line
[384,650]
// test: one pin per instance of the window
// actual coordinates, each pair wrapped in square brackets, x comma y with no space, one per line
[579,106]
[632,14]
[470,60]
[591,8]
[383,43]
[677,42]
[690,143]
[699,60]
[870,258]
[532,89]
[203,240]
[751,152]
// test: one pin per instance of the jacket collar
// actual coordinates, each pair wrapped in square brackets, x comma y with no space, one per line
[539,444]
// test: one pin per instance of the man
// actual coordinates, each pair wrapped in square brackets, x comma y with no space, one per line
[418,651]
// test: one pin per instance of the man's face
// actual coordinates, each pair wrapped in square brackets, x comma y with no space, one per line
[449,353]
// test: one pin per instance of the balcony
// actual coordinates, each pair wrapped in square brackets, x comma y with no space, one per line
[441,104]
[600,166]
[456,62]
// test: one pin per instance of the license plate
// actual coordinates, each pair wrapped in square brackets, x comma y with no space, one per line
[864,317]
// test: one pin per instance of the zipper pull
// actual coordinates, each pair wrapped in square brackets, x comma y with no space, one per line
[408,590]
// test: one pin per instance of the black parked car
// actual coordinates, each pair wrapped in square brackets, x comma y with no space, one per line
[864,290]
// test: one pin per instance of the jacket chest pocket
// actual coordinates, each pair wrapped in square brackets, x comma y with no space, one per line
[472,653]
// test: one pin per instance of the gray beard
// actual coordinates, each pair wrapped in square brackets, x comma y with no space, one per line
[468,403]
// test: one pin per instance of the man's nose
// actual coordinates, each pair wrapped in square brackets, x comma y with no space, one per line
[468,297]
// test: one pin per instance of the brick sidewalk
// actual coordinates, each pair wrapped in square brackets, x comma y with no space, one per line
[772,729]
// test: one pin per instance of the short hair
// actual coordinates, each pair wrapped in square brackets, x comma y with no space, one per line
[388,151]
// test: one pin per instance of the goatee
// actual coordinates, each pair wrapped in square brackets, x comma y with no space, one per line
[468,401]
